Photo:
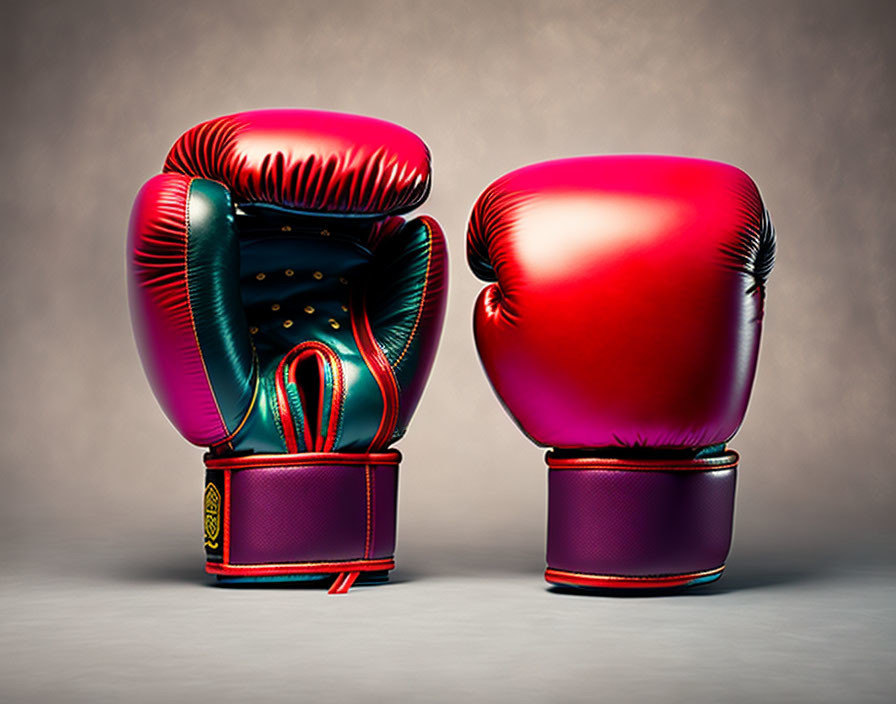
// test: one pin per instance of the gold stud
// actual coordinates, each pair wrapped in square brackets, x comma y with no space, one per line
[253,330]
[287,323]
[345,309]
[286,228]
[289,272]
[325,233]
[334,324]
[275,307]
[260,277]
[318,275]
[343,280]
[309,309]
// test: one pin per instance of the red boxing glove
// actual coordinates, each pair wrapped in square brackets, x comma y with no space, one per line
[287,318]
[623,331]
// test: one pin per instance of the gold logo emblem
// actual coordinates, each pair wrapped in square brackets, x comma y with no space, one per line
[212,515]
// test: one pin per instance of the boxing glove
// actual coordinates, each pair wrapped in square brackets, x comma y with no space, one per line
[287,318]
[622,330]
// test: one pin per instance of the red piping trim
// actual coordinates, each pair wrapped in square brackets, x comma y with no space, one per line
[313,439]
[264,570]
[705,464]
[379,367]
[343,582]
[303,459]
[614,582]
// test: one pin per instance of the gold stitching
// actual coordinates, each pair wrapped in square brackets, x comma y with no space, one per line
[422,296]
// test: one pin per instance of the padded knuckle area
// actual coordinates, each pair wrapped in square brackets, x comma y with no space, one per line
[309,160]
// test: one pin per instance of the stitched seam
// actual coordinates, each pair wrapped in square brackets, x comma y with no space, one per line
[190,308]
[276,416]
[257,374]
[422,296]
[225,548]
[367,535]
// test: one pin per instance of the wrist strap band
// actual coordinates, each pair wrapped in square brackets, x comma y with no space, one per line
[631,523]
[294,515]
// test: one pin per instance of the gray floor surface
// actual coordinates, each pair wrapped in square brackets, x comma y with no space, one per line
[149,628]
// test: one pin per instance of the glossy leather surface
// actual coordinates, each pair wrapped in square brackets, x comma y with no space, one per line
[628,301]
[308,160]
[627,519]
[161,313]
[267,328]
[287,318]
[330,509]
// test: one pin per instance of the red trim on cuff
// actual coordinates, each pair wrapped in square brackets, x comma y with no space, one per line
[322,568]
[619,582]
[302,459]
[725,461]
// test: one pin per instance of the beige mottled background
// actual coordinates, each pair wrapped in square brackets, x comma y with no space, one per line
[799,94]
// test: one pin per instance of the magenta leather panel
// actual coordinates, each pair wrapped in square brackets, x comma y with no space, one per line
[639,523]
[628,304]
[308,160]
[314,513]
[160,309]
[421,351]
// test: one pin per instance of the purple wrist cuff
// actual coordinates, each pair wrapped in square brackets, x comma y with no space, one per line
[310,513]
[620,523]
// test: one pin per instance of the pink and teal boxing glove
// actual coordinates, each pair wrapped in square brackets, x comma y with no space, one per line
[287,317]
[622,330]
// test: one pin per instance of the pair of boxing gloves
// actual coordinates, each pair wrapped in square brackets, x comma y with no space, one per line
[287,317]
